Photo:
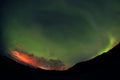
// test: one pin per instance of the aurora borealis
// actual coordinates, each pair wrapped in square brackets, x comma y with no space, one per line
[66,31]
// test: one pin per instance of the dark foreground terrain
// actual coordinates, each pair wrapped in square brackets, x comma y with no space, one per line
[106,66]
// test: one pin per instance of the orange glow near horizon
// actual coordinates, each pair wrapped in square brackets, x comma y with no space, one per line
[24,58]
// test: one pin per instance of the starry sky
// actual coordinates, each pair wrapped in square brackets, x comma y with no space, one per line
[69,30]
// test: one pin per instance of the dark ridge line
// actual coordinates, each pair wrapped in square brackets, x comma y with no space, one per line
[106,59]
[103,62]
[106,62]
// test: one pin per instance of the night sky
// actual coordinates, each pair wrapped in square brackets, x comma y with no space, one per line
[65,30]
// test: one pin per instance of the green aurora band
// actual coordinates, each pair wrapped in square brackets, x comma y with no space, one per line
[71,31]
